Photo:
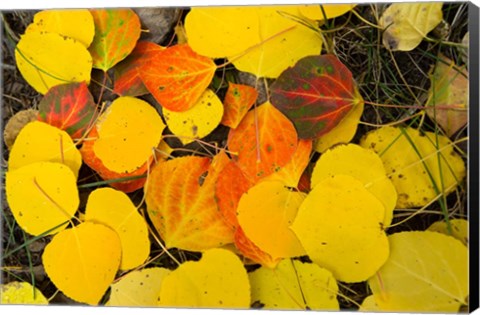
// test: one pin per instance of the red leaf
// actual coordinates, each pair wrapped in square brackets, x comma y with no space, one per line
[126,77]
[237,102]
[116,34]
[277,142]
[315,94]
[177,77]
[69,107]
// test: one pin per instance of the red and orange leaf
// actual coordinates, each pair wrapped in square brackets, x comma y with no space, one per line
[251,251]
[277,142]
[315,94]
[89,157]
[231,185]
[127,81]
[238,100]
[116,34]
[180,198]
[291,173]
[177,77]
[69,107]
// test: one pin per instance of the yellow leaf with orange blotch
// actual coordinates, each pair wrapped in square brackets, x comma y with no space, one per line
[237,102]
[42,196]
[180,198]
[82,261]
[115,209]
[218,280]
[263,143]
[251,251]
[265,214]
[40,142]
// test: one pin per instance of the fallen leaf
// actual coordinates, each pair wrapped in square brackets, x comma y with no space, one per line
[420,165]
[263,143]
[127,81]
[369,305]
[238,100]
[42,196]
[115,209]
[362,164]
[447,102]
[16,292]
[459,229]
[218,280]
[315,94]
[39,142]
[426,272]
[180,198]
[16,123]
[198,121]
[340,225]
[325,11]
[77,24]
[139,288]
[82,261]
[249,250]
[265,213]
[69,107]
[294,285]
[177,77]
[116,34]
[48,59]
[262,40]
[407,24]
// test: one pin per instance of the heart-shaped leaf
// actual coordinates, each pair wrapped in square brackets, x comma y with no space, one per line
[315,94]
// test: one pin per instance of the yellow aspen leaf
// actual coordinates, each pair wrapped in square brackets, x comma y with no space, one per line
[139,288]
[369,305]
[447,102]
[218,280]
[325,11]
[269,39]
[180,198]
[407,24]
[340,225]
[198,121]
[420,165]
[294,285]
[265,213]
[291,173]
[344,131]
[249,250]
[49,59]
[127,133]
[426,272]
[238,100]
[77,24]
[82,261]
[42,196]
[115,209]
[362,164]
[21,293]
[459,229]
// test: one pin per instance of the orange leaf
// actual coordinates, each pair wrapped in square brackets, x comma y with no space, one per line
[177,77]
[89,157]
[237,102]
[251,251]
[180,197]
[277,142]
[231,185]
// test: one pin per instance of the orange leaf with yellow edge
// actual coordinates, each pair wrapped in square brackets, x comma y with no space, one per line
[116,34]
[251,251]
[218,280]
[115,209]
[264,142]
[231,185]
[177,76]
[41,142]
[238,100]
[42,196]
[82,261]
[180,198]
[291,173]
[265,213]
